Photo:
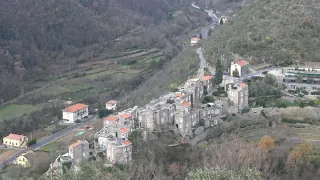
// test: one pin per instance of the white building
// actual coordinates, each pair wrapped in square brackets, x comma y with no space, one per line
[75,112]
[194,41]
[111,105]
[241,66]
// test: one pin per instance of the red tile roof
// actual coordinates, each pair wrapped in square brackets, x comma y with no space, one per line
[125,116]
[243,85]
[76,144]
[186,104]
[195,39]
[179,95]
[124,130]
[206,77]
[15,136]
[112,102]
[75,108]
[242,63]
[111,118]
[127,142]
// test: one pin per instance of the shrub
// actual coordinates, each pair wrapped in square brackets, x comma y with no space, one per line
[207,99]
[311,103]
[78,121]
[104,112]
[246,110]
[282,105]
[267,142]
[80,61]
[315,93]
[290,121]
[301,104]
[173,87]
[31,142]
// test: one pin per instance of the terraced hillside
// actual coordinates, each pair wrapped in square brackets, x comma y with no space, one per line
[274,32]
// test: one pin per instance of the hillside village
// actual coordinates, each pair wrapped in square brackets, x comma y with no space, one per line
[188,110]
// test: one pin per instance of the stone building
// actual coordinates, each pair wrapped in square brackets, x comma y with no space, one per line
[79,150]
[242,67]
[238,95]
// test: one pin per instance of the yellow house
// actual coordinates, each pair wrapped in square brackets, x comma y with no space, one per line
[36,160]
[23,161]
[15,140]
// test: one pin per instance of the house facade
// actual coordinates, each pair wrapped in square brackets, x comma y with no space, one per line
[33,159]
[120,153]
[207,83]
[194,41]
[22,161]
[79,150]
[75,112]
[238,94]
[15,140]
[242,67]
[112,105]
[305,78]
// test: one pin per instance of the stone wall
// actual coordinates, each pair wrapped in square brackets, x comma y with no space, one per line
[234,126]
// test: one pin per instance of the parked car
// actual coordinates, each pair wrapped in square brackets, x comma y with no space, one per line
[78,121]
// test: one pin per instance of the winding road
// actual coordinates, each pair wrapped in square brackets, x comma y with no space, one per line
[47,140]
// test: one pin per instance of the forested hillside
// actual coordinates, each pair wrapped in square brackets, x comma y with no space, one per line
[41,40]
[274,32]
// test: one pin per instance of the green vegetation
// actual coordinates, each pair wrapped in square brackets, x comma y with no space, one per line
[104,112]
[173,87]
[274,32]
[31,142]
[15,110]
[219,73]
[208,99]
[262,93]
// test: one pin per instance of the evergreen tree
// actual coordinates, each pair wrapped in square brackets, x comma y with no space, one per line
[219,73]
[235,73]
[221,21]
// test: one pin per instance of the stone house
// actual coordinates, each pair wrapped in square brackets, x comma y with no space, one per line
[238,95]
[195,88]
[120,153]
[79,150]
[207,83]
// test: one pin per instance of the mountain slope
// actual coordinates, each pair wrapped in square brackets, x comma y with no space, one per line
[44,40]
[273,32]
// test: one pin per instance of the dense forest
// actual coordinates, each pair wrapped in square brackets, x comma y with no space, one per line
[41,40]
[274,32]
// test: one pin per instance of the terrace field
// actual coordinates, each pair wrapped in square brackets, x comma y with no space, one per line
[15,110]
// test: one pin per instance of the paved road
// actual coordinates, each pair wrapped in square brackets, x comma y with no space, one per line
[46,141]
[256,73]
[204,63]
[215,21]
